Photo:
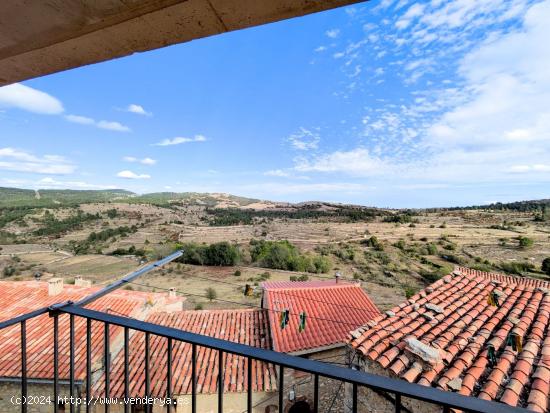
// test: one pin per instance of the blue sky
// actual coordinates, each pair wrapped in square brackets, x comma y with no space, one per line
[386,103]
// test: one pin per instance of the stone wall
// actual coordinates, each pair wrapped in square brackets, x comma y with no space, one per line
[370,401]
[331,392]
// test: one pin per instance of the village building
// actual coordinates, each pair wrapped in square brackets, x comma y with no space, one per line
[243,326]
[332,308]
[478,334]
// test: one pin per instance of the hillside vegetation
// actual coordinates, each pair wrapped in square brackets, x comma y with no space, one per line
[393,253]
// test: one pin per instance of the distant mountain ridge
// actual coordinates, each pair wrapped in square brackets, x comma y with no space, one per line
[19,197]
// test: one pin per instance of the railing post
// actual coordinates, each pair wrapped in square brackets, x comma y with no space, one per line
[281,387]
[23,366]
[55,362]
[147,373]
[220,381]
[397,403]
[169,373]
[88,363]
[107,364]
[315,393]
[249,386]
[126,370]
[71,361]
[354,399]
[194,378]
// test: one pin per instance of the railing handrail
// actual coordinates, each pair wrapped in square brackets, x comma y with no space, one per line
[381,383]
[119,283]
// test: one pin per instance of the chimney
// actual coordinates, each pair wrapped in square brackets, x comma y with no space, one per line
[55,286]
[337,276]
[172,293]
[81,282]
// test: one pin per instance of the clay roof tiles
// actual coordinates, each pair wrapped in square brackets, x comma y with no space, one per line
[323,302]
[463,332]
[245,326]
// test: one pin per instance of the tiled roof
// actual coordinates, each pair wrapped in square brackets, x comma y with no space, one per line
[456,326]
[323,302]
[247,326]
[22,297]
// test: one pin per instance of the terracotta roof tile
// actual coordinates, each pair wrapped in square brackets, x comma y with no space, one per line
[452,315]
[22,297]
[249,326]
[323,301]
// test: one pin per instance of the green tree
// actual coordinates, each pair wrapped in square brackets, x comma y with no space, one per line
[546,266]
[211,293]
[525,242]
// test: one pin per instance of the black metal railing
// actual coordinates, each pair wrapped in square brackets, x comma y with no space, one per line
[356,379]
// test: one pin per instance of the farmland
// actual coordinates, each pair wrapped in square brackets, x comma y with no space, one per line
[233,241]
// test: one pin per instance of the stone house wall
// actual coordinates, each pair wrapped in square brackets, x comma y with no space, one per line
[370,401]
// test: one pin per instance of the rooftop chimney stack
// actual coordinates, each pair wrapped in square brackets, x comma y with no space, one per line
[81,282]
[55,286]
[337,276]
[172,293]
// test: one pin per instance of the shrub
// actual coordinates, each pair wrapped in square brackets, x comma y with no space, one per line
[525,242]
[374,243]
[220,254]
[432,248]
[283,255]
[237,273]
[8,271]
[517,267]
[199,306]
[546,266]
[409,291]
[211,293]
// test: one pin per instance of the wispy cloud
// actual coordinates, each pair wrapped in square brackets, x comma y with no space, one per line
[102,124]
[144,161]
[304,139]
[32,100]
[179,140]
[54,183]
[113,126]
[20,161]
[278,172]
[83,120]
[132,175]
[138,110]
[333,33]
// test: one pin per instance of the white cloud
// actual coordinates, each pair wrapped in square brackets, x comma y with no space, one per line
[179,140]
[83,120]
[277,172]
[53,183]
[20,161]
[321,49]
[114,126]
[138,109]
[102,124]
[304,139]
[144,161]
[272,188]
[357,162]
[132,175]
[333,33]
[32,100]
[509,88]
[530,168]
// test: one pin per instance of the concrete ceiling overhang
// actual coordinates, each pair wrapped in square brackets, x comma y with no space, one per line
[39,37]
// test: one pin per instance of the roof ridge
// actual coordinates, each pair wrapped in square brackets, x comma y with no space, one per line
[508,278]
